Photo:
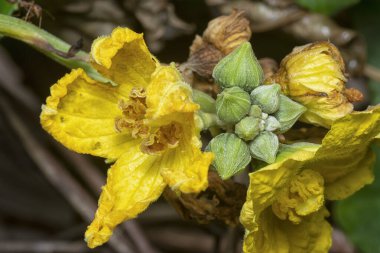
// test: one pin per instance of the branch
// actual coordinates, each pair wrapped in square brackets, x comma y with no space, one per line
[57,174]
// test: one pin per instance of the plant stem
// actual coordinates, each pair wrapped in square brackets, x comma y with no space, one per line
[48,44]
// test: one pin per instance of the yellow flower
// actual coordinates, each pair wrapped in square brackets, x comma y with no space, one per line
[146,123]
[313,75]
[284,211]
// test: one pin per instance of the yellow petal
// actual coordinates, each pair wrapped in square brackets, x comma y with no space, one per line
[304,195]
[133,182]
[312,235]
[123,57]
[168,97]
[80,113]
[313,75]
[187,166]
[344,159]
[267,183]
[322,111]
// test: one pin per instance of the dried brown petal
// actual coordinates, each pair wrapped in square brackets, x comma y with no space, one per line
[203,57]
[222,36]
[269,66]
[221,201]
[228,32]
[353,95]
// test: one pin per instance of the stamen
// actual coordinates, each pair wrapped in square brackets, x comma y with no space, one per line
[165,137]
[133,114]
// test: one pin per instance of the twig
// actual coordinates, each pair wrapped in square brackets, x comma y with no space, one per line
[58,175]
[372,72]
[174,239]
[95,180]
[42,246]
[10,80]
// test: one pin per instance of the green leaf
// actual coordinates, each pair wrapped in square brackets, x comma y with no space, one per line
[359,215]
[327,7]
[7,8]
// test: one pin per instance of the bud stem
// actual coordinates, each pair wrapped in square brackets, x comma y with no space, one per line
[48,44]
[209,120]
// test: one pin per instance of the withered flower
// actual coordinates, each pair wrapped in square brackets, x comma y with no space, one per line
[227,32]
[313,75]
[222,36]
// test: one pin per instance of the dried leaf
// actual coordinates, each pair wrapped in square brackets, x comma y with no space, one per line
[222,201]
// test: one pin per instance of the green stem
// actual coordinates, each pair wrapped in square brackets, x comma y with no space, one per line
[48,44]
[209,120]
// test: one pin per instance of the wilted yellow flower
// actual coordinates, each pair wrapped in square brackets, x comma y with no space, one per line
[146,123]
[284,211]
[313,75]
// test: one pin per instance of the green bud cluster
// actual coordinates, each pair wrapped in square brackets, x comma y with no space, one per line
[255,113]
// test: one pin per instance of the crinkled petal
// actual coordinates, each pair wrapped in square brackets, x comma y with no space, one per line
[323,111]
[80,113]
[123,57]
[168,97]
[312,235]
[133,182]
[187,166]
[344,159]
[267,183]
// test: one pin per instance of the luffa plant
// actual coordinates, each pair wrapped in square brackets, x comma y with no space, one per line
[125,106]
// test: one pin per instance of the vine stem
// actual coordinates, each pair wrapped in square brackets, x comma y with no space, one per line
[48,44]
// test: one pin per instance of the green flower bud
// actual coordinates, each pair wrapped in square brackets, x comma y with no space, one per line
[288,113]
[206,102]
[264,147]
[255,111]
[239,68]
[272,124]
[232,105]
[231,154]
[267,97]
[248,128]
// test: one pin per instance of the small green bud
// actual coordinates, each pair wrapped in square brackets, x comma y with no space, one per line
[248,128]
[267,97]
[232,105]
[272,124]
[239,68]
[206,102]
[255,111]
[288,113]
[231,154]
[262,125]
[264,147]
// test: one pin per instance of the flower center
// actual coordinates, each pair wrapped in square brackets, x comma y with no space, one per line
[303,196]
[164,137]
[154,140]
